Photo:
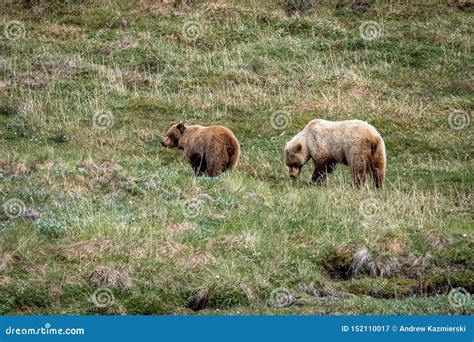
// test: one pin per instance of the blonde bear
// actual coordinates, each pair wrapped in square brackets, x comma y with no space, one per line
[352,142]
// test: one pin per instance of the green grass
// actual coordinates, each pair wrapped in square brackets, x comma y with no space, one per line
[111,209]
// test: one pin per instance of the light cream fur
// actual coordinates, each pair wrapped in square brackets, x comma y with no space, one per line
[352,142]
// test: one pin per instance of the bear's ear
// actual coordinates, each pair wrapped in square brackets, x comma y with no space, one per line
[181,127]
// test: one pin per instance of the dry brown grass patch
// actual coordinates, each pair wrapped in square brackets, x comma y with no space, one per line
[91,249]
[157,8]
[347,262]
[7,260]
[61,31]
[195,261]
[312,290]
[159,248]
[29,80]
[198,300]
[106,276]
[390,245]
[103,173]
[5,281]
[12,169]
[415,266]
[119,45]
[325,293]
[148,249]
[179,228]
[436,240]
[3,86]
[245,240]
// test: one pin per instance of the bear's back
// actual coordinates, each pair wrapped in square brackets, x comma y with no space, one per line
[342,126]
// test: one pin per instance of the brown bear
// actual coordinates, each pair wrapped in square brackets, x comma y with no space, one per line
[210,150]
[352,142]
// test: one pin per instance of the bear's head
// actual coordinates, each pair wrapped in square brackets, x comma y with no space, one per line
[296,155]
[173,135]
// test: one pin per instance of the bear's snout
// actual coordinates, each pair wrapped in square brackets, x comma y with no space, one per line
[166,142]
[294,171]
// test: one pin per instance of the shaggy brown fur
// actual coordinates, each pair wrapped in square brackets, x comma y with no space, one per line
[352,142]
[210,150]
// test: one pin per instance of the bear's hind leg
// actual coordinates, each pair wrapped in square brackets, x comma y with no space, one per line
[378,175]
[321,171]
[378,167]
[215,167]
[217,160]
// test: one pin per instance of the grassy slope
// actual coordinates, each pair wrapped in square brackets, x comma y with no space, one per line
[169,241]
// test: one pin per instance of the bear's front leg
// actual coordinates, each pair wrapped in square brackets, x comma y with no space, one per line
[198,163]
[321,171]
[359,176]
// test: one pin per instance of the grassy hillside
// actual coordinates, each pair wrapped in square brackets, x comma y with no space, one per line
[98,218]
